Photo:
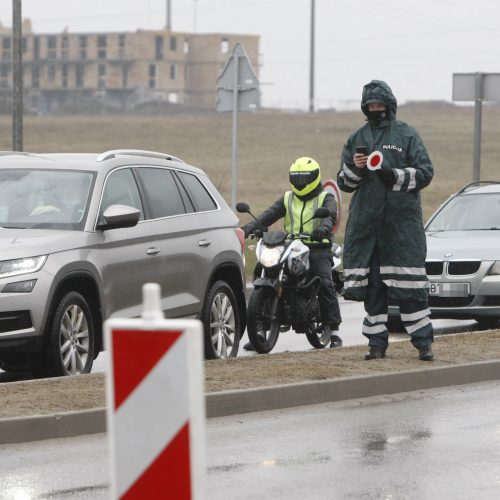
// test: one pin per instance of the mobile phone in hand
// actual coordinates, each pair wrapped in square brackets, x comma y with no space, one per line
[363,150]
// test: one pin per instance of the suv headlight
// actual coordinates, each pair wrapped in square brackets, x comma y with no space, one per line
[21,266]
[270,256]
[495,268]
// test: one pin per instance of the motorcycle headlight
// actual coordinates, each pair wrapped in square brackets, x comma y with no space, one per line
[270,257]
[21,266]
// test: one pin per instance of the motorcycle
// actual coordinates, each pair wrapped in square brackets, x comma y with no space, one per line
[284,292]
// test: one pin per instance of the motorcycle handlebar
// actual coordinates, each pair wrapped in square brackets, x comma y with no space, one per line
[258,233]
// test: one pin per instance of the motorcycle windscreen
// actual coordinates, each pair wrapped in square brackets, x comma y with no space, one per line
[274,238]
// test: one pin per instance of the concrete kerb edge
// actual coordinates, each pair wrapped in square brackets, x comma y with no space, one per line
[226,403]
[59,425]
[315,392]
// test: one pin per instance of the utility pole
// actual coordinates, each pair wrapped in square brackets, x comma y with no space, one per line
[478,105]
[168,23]
[17,77]
[311,63]
[195,7]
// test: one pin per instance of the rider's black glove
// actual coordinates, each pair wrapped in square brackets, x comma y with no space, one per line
[247,229]
[387,176]
[319,234]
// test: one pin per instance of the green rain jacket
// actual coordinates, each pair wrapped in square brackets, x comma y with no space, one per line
[386,218]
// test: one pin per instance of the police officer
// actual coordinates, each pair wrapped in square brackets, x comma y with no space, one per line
[297,207]
[385,247]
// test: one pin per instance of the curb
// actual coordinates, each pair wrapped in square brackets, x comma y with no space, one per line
[59,425]
[226,403]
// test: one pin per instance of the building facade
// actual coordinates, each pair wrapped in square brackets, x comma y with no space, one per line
[119,71]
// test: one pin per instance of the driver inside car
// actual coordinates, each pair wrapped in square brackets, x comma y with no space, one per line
[297,207]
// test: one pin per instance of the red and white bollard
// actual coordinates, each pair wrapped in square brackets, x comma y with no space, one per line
[156,409]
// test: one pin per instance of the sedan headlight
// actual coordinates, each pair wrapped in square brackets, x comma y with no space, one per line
[270,256]
[21,266]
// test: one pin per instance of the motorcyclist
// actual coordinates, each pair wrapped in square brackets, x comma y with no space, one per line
[297,207]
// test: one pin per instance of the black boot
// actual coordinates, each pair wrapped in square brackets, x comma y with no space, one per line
[331,332]
[425,353]
[248,347]
[375,352]
[335,341]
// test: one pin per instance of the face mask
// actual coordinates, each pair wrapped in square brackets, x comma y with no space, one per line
[377,116]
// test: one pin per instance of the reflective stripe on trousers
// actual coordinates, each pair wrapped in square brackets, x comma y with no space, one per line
[414,314]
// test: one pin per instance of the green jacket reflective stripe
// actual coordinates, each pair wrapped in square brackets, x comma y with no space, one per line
[298,212]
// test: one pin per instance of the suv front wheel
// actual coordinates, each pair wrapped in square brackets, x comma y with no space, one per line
[70,345]
[221,322]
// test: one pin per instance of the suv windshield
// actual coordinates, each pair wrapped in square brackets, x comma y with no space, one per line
[45,199]
[468,213]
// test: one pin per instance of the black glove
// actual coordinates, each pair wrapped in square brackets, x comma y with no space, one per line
[386,175]
[319,234]
[247,229]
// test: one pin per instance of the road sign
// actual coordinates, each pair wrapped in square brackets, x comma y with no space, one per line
[331,187]
[237,90]
[238,75]
[465,89]
[477,87]
[156,412]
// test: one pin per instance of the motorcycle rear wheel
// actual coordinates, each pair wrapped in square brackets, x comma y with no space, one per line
[317,339]
[262,331]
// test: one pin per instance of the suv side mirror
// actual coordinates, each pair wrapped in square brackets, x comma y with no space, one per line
[117,216]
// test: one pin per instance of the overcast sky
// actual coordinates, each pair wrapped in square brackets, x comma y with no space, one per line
[415,46]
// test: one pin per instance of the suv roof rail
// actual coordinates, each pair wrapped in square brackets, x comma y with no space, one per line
[476,184]
[15,153]
[136,152]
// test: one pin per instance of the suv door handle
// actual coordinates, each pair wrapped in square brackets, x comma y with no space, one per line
[204,243]
[153,251]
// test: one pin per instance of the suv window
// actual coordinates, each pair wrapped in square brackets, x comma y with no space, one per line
[121,189]
[162,192]
[43,198]
[198,193]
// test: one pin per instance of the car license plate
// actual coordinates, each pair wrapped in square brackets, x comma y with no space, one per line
[449,289]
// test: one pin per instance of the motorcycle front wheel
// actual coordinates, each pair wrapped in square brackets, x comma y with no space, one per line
[262,330]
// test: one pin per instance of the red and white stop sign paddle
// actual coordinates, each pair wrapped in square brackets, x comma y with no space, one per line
[331,186]
[375,160]
[156,410]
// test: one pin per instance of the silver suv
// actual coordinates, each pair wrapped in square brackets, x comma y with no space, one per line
[81,233]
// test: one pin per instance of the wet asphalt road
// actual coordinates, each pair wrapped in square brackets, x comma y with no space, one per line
[437,444]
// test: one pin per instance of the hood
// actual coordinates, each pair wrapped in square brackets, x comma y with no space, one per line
[378,91]
[463,245]
[18,243]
